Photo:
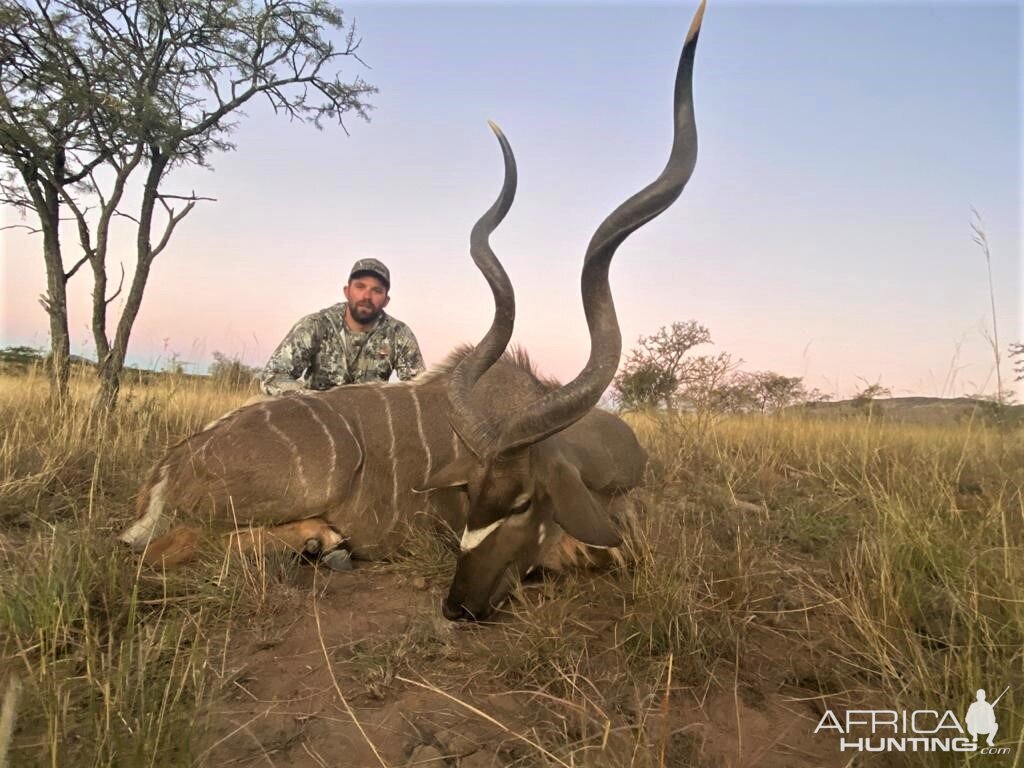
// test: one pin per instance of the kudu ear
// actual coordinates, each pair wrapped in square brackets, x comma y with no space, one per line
[452,475]
[575,508]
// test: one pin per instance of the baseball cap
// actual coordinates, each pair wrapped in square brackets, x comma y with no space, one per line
[371,267]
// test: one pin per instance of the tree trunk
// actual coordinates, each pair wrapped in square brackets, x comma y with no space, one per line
[60,338]
[55,302]
[99,305]
[112,365]
[109,373]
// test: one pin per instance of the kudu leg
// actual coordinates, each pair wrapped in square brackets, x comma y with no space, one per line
[312,536]
[178,545]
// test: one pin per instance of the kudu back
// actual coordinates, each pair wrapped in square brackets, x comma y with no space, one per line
[530,473]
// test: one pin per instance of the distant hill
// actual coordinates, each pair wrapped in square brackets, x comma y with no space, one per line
[918,410]
[25,356]
[19,360]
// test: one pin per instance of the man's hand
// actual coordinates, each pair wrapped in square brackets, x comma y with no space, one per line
[283,385]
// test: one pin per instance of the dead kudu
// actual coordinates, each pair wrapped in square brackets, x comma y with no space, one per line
[530,473]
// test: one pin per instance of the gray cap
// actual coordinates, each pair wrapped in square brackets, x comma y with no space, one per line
[371,267]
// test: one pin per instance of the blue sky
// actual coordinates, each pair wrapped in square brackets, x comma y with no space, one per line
[825,232]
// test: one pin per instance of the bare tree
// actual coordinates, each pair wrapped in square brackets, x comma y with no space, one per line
[94,92]
[658,372]
[773,391]
[762,392]
[653,371]
[866,397]
[736,394]
[643,384]
[702,379]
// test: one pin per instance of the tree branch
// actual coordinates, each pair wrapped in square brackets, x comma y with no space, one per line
[70,273]
[193,197]
[120,285]
[172,222]
[128,216]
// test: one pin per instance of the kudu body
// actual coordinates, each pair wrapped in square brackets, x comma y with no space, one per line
[529,473]
[356,458]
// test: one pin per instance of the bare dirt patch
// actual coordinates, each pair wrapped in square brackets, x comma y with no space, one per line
[412,680]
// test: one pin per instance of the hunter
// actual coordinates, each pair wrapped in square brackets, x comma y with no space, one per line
[353,342]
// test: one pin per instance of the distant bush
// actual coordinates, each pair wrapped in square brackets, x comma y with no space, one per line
[660,374]
[232,372]
[657,367]
[22,355]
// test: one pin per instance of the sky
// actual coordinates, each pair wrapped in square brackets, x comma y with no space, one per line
[825,232]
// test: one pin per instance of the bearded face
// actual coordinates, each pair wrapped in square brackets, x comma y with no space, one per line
[367,296]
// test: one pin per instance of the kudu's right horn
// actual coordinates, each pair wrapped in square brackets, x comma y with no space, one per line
[561,407]
[558,409]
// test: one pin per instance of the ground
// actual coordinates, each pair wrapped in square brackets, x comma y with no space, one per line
[415,704]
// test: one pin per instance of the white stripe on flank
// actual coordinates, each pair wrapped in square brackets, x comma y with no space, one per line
[419,426]
[348,426]
[362,470]
[200,455]
[472,539]
[142,531]
[299,470]
[391,453]
[334,448]
[221,419]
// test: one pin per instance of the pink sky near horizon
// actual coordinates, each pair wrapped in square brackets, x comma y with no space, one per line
[191,318]
[836,248]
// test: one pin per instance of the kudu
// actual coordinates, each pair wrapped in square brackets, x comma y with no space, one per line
[529,472]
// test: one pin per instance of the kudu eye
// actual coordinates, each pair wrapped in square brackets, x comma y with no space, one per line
[521,507]
[518,515]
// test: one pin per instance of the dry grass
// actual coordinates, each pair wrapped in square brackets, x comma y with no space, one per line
[784,566]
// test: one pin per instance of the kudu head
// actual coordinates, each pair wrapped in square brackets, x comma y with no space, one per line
[519,485]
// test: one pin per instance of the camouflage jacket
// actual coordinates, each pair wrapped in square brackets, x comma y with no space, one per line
[320,352]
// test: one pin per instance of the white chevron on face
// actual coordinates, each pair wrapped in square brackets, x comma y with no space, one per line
[471,539]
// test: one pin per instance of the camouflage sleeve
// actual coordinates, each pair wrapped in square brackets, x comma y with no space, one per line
[286,367]
[408,360]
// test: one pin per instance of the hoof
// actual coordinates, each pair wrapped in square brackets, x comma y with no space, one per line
[338,560]
[311,547]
